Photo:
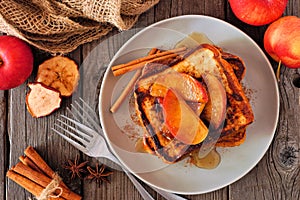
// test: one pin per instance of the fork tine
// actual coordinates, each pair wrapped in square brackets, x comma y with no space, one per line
[84,113]
[81,113]
[91,114]
[78,116]
[84,142]
[89,108]
[83,127]
[74,143]
[75,113]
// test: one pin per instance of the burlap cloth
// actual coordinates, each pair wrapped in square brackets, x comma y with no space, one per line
[60,26]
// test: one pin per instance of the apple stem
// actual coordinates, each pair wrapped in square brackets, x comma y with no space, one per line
[1,62]
[278,71]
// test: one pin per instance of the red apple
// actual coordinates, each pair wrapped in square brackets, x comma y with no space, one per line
[258,12]
[16,62]
[187,86]
[282,41]
[181,120]
[215,109]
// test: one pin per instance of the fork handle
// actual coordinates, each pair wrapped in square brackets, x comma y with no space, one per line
[138,186]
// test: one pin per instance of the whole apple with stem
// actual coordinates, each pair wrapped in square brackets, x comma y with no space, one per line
[258,12]
[16,62]
[282,42]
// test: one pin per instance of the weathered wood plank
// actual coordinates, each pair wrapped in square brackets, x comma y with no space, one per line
[3,143]
[19,138]
[285,168]
[23,130]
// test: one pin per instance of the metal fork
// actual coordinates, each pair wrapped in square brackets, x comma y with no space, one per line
[92,143]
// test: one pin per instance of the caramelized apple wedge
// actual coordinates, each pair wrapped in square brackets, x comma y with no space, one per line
[181,120]
[60,73]
[215,110]
[196,107]
[187,86]
[42,100]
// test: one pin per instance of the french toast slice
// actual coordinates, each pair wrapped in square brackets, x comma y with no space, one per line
[229,69]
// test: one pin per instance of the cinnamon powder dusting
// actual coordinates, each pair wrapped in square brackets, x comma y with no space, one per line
[132,130]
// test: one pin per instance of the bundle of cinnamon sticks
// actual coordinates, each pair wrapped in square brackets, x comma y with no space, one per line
[34,175]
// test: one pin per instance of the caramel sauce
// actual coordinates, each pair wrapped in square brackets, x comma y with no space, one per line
[193,40]
[210,161]
[139,146]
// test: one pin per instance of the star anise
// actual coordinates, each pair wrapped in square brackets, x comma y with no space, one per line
[99,175]
[76,168]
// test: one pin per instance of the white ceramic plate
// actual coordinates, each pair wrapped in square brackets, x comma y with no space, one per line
[235,162]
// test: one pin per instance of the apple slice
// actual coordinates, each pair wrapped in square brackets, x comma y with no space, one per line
[196,107]
[187,86]
[42,100]
[215,109]
[60,73]
[181,120]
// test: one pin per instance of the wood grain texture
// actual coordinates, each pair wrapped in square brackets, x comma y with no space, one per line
[276,176]
[3,143]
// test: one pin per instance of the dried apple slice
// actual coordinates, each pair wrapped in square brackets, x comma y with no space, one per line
[60,73]
[42,100]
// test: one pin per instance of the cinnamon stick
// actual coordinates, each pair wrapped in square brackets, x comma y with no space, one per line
[31,174]
[130,68]
[140,62]
[27,184]
[42,180]
[26,161]
[149,57]
[153,51]
[35,161]
[39,162]
[129,87]
[126,91]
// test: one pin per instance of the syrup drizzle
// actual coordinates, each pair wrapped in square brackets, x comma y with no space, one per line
[139,146]
[209,161]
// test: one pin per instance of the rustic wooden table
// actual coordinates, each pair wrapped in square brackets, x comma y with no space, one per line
[276,176]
